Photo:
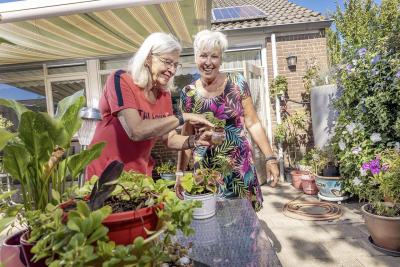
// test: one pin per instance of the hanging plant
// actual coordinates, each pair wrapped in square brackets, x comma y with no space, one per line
[279,86]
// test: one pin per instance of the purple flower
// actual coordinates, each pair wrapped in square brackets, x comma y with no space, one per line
[397,75]
[362,51]
[376,59]
[374,166]
[349,68]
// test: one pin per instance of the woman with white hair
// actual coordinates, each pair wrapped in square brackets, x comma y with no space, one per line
[227,96]
[136,109]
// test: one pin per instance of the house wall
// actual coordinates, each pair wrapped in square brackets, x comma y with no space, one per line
[306,46]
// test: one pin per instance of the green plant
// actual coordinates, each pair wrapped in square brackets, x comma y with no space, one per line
[166,167]
[4,123]
[292,132]
[368,75]
[311,75]
[279,86]
[82,240]
[379,180]
[37,155]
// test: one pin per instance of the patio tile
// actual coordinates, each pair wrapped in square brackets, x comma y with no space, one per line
[344,231]
[380,261]
[349,246]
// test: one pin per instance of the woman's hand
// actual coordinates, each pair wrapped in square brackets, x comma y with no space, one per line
[178,188]
[197,120]
[272,172]
[203,136]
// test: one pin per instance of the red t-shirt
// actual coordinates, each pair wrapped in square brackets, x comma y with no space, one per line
[120,93]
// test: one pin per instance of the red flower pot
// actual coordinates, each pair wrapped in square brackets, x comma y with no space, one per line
[11,253]
[26,250]
[124,227]
[308,185]
[296,178]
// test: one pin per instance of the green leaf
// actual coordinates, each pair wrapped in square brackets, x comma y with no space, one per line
[68,112]
[56,195]
[78,162]
[17,107]
[15,160]
[5,136]
[4,222]
[138,242]
[71,224]
[98,234]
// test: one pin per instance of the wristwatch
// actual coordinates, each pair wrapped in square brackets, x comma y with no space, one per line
[179,116]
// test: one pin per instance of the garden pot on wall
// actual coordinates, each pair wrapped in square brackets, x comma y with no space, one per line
[385,231]
[308,185]
[208,208]
[10,251]
[323,114]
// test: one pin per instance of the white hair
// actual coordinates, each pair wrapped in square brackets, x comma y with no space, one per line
[208,40]
[155,43]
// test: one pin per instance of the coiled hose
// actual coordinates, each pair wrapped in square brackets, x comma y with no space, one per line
[303,210]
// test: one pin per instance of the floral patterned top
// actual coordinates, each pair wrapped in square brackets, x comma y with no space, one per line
[242,181]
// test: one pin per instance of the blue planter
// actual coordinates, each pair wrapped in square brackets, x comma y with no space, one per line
[168,176]
[329,186]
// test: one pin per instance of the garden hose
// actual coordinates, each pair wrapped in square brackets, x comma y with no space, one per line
[302,210]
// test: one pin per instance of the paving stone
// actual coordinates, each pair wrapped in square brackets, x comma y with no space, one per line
[353,247]
[380,261]
[344,231]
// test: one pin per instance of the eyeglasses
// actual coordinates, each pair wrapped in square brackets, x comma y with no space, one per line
[169,63]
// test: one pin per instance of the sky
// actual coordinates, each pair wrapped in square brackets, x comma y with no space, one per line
[323,6]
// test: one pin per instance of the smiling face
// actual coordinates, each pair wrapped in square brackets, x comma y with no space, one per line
[163,67]
[208,62]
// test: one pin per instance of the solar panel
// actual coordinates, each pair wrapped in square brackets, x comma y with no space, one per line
[237,13]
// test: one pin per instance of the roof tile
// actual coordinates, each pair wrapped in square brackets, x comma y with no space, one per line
[277,12]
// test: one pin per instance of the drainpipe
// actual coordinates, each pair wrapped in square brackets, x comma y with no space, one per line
[277,103]
[27,10]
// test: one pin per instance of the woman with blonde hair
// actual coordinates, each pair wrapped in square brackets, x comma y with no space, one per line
[136,109]
[227,96]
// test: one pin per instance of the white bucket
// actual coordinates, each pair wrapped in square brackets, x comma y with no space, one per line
[208,208]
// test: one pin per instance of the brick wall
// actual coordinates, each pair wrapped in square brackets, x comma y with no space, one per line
[305,47]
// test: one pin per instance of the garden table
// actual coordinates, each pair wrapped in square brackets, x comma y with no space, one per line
[233,237]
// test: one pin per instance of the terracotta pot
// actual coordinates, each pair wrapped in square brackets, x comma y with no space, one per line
[385,231]
[296,178]
[124,227]
[26,250]
[308,185]
[329,186]
[11,253]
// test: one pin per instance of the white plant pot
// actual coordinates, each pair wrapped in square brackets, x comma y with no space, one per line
[209,202]
[168,176]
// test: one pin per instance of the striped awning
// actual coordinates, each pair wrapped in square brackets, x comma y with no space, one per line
[100,33]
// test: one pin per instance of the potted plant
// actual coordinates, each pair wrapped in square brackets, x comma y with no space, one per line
[136,201]
[37,154]
[84,237]
[382,213]
[279,86]
[218,131]
[203,185]
[327,175]
[291,133]
[167,170]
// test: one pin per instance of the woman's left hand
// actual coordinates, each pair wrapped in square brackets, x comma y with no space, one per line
[272,172]
[204,137]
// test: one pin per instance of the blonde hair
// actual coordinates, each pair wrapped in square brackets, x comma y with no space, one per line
[207,39]
[155,43]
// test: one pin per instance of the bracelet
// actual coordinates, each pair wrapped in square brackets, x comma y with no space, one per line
[270,158]
[192,141]
[179,116]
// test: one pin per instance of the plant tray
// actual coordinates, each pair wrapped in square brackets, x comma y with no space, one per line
[384,250]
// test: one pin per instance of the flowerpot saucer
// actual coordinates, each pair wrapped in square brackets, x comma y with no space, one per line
[384,250]
[333,199]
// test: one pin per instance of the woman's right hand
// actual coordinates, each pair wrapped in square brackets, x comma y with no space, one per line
[178,188]
[197,120]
